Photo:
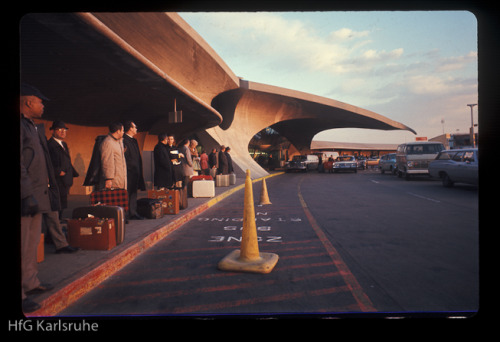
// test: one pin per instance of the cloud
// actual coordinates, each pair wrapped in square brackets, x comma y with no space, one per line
[412,85]
[346,33]
[456,63]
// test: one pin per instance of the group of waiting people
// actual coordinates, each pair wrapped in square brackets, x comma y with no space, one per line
[47,175]
[176,164]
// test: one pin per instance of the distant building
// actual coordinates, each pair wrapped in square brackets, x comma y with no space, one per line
[357,149]
[455,141]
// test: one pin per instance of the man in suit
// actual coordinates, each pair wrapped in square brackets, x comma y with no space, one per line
[61,160]
[135,178]
[223,165]
[63,174]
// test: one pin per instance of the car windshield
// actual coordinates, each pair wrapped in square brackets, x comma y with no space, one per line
[346,158]
[445,155]
[299,158]
[424,149]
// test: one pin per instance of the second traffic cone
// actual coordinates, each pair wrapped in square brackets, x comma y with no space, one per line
[264,197]
[248,258]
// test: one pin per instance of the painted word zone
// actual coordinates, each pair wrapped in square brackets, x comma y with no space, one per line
[262,230]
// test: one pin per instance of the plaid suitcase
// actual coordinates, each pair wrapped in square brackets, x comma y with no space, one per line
[115,197]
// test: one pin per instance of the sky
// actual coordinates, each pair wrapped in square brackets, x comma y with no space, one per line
[419,68]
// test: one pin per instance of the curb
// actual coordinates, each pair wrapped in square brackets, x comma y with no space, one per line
[58,301]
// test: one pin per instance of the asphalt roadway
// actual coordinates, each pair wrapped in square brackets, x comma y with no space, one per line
[348,244]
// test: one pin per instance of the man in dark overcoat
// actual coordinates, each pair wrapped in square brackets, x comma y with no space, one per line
[163,174]
[223,166]
[135,178]
[36,172]
[61,160]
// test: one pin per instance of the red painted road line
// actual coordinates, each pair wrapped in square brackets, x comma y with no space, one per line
[252,301]
[208,276]
[362,299]
[210,289]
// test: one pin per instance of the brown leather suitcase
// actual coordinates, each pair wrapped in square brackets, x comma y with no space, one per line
[170,200]
[103,212]
[92,233]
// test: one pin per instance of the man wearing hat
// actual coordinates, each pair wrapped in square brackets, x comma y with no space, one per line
[35,171]
[64,173]
[61,161]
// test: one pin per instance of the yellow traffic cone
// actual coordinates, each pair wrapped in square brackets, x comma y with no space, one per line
[248,258]
[264,197]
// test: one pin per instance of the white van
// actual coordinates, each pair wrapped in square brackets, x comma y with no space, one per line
[413,158]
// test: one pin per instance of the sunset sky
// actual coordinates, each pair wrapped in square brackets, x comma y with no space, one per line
[418,67]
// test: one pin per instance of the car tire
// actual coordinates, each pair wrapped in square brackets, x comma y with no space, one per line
[447,183]
[407,176]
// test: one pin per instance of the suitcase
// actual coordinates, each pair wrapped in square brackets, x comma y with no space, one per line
[115,197]
[232,178]
[222,180]
[92,233]
[150,208]
[203,188]
[170,200]
[197,178]
[201,177]
[105,211]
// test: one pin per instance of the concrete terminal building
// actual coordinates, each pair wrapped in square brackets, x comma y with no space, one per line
[97,68]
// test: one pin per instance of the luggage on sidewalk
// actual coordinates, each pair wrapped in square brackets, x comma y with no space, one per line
[222,180]
[232,178]
[114,197]
[194,179]
[203,188]
[201,177]
[92,233]
[105,212]
[150,208]
[169,198]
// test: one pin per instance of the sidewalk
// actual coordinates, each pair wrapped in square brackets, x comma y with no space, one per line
[73,275]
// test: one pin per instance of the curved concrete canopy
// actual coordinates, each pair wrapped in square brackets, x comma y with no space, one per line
[296,115]
[94,77]
[104,67]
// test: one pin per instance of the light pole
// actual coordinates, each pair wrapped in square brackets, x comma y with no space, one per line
[473,141]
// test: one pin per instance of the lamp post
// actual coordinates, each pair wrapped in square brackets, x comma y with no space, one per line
[472,125]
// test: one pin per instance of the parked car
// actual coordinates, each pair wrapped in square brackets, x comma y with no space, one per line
[456,166]
[413,158]
[372,161]
[345,163]
[388,163]
[302,163]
